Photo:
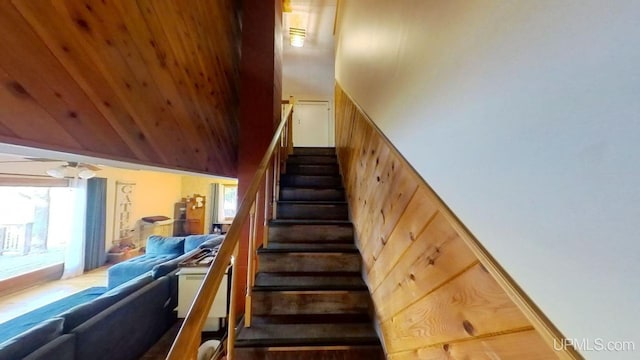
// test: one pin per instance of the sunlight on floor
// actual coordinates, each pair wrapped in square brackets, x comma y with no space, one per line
[21,302]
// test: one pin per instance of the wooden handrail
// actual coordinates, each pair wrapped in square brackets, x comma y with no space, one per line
[188,339]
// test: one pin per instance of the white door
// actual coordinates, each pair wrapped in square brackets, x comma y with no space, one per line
[311,120]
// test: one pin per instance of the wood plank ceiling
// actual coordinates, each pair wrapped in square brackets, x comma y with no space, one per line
[148,81]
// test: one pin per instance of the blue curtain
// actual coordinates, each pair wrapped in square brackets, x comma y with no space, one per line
[95,230]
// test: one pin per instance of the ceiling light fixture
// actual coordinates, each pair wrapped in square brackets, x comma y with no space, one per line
[84,173]
[57,172]
[72,170]
[296,36]
[297,22]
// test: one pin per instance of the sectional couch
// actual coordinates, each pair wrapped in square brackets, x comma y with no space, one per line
[122,323]
[162,255]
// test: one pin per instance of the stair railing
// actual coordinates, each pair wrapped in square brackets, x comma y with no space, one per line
[274,160]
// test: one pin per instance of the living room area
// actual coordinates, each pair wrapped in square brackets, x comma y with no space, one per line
[49,252]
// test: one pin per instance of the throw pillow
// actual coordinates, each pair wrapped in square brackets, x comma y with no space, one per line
[192,242]
[161,245]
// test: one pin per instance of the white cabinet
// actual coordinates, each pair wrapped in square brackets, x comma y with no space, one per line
[189,281]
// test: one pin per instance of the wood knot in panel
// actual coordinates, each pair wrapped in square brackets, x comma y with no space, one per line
[17,89]
[82,24]
[468,327]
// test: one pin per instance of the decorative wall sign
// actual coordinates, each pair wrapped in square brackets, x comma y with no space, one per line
[123,221]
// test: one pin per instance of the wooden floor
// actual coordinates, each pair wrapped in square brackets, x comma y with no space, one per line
[161,348]
[21,302]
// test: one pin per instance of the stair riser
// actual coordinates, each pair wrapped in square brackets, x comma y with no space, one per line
[313,211]
[315,282]
[310,353]
[311,233]
[292,303]
[299,194]
[311,181]
[314,151]
[309,262]
[311,159]
[304,169]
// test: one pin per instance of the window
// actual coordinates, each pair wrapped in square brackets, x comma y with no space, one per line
[29,220]
[223,206]
[230,200]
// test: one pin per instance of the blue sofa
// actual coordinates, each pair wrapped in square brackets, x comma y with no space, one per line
[123,323]
[162,255]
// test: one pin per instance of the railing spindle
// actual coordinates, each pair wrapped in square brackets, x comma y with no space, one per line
[189,336]
[231,321]
[250,262]
[267,199]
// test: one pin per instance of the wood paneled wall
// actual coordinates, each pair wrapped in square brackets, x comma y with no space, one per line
[260,108]
[147,81]
[435,295]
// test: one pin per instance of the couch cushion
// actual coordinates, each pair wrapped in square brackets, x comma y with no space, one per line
[212,243]
[168,266]
[120,273]
[129,287]
[192,242]
[62,347]
[128,328]
[160,245]
[81,313]
[22,345]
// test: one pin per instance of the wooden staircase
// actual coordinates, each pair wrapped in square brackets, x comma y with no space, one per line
[309,299]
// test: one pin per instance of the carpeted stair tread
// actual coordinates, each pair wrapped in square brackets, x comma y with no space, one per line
[280,248]
[307,335]
[311,181]
[310,231]
[304,150]
[309,282]
[312,202]
[311,187]
[289,222]
[310,319]
[313,169]
[331,210]
[311,156]
[311,194]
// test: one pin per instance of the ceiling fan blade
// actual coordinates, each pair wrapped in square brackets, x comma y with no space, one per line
[43,159]
[90,166]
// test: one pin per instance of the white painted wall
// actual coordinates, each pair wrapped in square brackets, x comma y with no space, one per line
[525,118]
[308,72]
[154,194]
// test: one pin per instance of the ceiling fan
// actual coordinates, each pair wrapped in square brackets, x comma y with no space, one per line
[75,170]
